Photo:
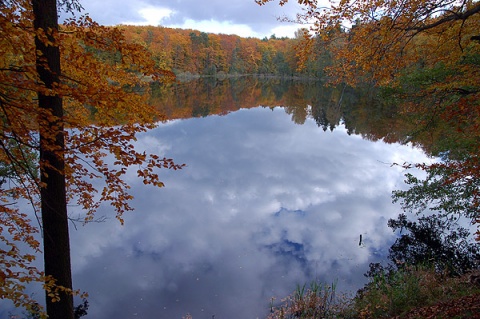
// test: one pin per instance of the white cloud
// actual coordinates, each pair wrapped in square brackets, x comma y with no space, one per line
[288,30]
[214,26]
[151,16]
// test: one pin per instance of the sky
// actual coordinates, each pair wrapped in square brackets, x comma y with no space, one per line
[241,17]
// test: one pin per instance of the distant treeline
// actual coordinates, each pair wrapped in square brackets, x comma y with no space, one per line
[198,53]
[361,110]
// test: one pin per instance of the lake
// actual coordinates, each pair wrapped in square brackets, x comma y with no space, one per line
[281,179]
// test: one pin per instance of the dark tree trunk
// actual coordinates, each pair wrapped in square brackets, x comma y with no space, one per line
[56,244]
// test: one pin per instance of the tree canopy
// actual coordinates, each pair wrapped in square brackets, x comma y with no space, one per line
[385,37]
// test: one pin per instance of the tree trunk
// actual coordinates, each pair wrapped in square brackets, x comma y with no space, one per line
[53,191]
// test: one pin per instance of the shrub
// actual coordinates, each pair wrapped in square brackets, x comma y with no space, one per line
[395,292]
[317,301]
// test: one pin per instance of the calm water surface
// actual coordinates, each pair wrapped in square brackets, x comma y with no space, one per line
[264,204]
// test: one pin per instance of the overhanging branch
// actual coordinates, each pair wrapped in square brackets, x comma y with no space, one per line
[453,16]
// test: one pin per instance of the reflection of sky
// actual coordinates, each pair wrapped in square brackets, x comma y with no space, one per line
[263,204]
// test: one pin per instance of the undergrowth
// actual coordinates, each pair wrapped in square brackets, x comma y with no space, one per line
[388,295]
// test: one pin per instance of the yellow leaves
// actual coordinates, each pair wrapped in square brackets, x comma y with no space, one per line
[56,292]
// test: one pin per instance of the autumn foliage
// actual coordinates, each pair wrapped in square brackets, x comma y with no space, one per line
[191,52]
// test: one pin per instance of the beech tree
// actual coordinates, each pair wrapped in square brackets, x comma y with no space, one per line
[70,96]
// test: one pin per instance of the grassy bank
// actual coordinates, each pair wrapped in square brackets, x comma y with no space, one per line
[411,292]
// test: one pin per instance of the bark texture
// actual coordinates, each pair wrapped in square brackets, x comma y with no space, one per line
[56,243]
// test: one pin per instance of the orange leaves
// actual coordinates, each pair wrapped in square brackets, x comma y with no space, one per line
[118,142]
[54,290]
[15,267]
[189,51]
[106,105]
[47,37]
[147,172]
[383,37]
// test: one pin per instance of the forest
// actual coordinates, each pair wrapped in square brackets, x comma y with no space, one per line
[191,52]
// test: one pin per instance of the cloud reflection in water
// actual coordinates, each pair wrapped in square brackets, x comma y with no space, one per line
[263,204]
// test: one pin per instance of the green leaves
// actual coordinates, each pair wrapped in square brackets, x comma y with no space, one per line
[447,189]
